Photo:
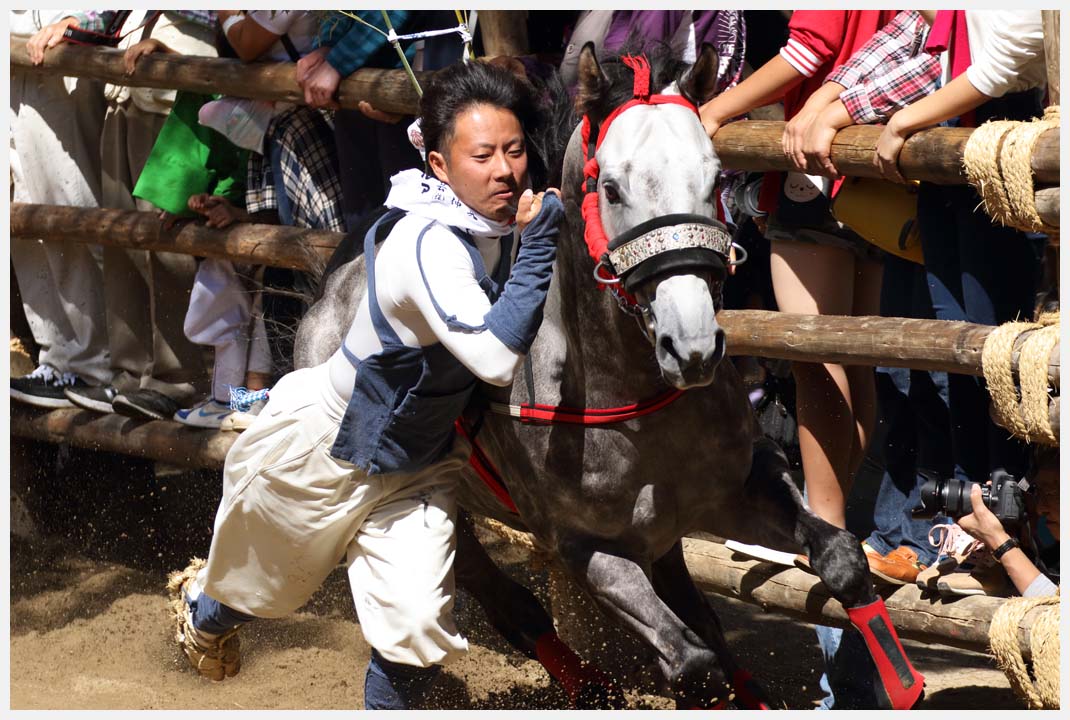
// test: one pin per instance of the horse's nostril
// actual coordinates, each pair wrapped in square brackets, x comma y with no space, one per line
[668,346]
[719,347]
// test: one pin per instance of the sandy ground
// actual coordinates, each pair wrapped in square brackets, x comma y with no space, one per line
[90,629]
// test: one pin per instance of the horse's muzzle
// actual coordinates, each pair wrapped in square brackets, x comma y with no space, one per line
[690,364]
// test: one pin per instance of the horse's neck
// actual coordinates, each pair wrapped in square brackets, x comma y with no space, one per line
[590,353]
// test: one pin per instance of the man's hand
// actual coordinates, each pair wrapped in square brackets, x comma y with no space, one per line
[981,523]
[889,145]
[321,85]
[47,38]
[217,210]
[145,47]
[390,118]
[308,63]
[529,206]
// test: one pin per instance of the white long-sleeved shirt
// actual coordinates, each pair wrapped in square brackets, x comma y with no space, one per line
[1006,51]
[407,306]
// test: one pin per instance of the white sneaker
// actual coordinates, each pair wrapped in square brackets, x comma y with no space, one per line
[208,414]
[761,552]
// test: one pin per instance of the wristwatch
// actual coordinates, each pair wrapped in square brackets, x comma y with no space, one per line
[1003,549]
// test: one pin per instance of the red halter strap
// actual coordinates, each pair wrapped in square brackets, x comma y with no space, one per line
[594,233]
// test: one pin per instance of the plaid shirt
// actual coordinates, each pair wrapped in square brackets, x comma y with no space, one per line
[97,20]
[889,72]
[309,171]
[353,44]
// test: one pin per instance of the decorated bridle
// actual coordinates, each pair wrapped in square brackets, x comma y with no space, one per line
[667,242]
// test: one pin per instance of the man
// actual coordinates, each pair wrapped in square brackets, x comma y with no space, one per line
[356,456]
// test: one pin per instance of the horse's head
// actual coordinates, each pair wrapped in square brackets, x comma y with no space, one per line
[654,180]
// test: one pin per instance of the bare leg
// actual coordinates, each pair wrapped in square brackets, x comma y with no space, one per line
[867,295]
[818,280]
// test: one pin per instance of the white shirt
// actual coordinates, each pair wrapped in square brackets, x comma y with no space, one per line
[404,299]
[1006,51]
[300,25]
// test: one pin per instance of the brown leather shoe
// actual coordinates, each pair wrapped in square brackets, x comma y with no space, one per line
[899,567]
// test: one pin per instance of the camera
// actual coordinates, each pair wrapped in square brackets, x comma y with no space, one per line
[951,496]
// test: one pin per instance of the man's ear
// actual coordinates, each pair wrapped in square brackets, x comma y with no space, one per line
[437,161]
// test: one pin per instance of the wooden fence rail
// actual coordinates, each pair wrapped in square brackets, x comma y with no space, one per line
[893,342]
[934,155]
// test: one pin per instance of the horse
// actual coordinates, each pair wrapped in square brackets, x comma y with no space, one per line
[624,451]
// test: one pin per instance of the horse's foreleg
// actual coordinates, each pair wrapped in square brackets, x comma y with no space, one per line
[772,513]
[673,584]
[517,614]
[623,591]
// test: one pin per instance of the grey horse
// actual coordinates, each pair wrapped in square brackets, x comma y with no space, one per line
[612,502]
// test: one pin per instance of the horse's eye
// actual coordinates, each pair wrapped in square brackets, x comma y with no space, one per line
[611,194]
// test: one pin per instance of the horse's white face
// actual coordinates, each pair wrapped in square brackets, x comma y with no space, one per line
[657,160]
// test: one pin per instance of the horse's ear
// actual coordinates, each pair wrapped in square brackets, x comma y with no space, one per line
[592,81]
[700,83]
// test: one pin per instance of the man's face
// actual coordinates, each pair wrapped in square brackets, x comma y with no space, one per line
[486,161]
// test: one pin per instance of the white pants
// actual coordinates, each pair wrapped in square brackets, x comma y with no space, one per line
[224,314]
[55,159]
[290,512]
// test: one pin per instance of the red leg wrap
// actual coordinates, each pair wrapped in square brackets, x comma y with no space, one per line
[566,666]
[902,683]
[746,695]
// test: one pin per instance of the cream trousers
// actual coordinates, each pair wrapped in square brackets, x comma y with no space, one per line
[290,512]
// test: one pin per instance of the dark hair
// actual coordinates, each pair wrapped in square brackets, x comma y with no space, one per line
[458,87]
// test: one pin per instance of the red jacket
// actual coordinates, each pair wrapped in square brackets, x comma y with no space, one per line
[819,41]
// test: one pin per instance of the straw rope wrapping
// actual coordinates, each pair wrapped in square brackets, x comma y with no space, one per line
[998,162]
[1027,416]
[1043,693]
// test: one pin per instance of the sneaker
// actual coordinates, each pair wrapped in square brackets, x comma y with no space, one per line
[44,387]
[145,404]
[898,567]
[215,657]
[979,574]
[98,399]
[955,545]
[207,414]
[761,552]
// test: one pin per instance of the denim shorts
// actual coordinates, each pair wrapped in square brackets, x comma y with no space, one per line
[831,233]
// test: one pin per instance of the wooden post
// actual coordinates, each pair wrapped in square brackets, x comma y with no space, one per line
[504,32]
[1051,52]
[892,342]
[387,90]
[933,155]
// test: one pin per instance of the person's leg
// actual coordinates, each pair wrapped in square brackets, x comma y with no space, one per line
[866,301]
[126,289]
[55,160]
[816,279]
[401,574]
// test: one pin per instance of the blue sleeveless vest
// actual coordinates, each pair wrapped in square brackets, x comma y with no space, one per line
[405,399]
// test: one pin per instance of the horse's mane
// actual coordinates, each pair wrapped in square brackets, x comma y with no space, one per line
[548,138]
